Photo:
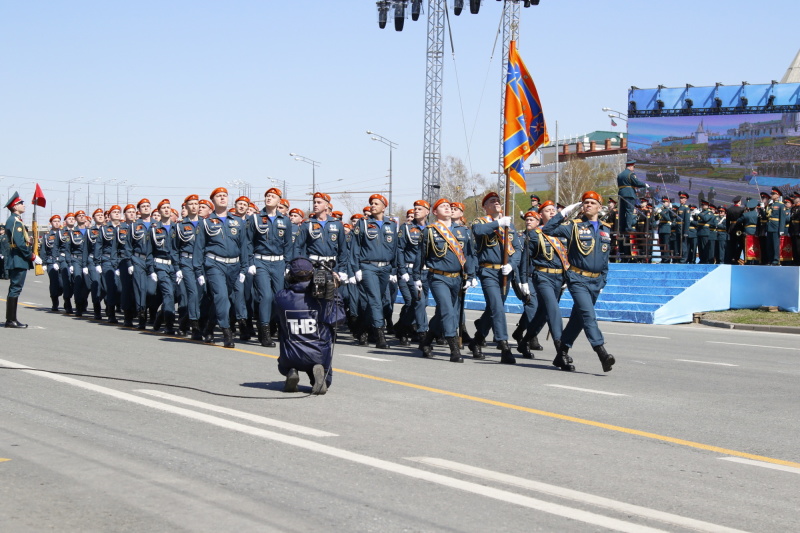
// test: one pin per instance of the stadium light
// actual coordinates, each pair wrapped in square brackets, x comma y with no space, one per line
[458,5]
[383,12]
[416,9]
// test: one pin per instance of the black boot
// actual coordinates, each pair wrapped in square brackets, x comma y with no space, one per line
[98,314]
[440,341]
[183,325]
[478,337]
[142,319]
[506,357]
[196,335]
[533,344]
[244,331]
[522,347]
[208,332]
[519,332]
[425,345]
[265,337]
[112,315]
[127,319]
[403,334]
[475,347]
[563,360]
[227,338]
[55,304]
[159,320]
[292,379]
[11,314]
[380,339]
[606,358]
[455,353]
[78,309]
[68,306]
[152,316]
[169,324]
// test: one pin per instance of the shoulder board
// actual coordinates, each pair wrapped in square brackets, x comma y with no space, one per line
[606,224]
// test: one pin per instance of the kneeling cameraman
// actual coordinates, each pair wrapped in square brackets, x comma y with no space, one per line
[308,313]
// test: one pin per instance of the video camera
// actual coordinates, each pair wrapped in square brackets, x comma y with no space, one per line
[324,281]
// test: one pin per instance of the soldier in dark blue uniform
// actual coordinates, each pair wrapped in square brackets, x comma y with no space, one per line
[138,245]
[489,233]
[374,256]
[269,247]
[76,251]
[107,259]
[322,239]
[447,252]
[51,257]
[665,218]
[185,232]
[589,243]
[414,302]
[162,262]
[627,183]
[126,290]
[93,264]
[219,258]
[19,260]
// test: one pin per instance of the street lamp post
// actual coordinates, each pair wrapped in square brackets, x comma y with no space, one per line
[392,145]
[128,193]
[69,196]
[282,183]
[123,182]
[616,114]
[112,180]
[88,188]
[304,159]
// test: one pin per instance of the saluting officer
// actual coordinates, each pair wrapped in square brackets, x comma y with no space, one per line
[589,243]
[51,257]
[19,260]
[269,249]
[374,253]
[219,257]
[447,251]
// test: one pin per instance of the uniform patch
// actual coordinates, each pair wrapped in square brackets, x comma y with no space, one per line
[334,236]
[388,238]
[234,231]
[604,248]
[187,228]
[280,233]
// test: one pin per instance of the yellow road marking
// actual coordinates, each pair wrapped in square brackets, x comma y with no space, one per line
[567,418]
[3,460]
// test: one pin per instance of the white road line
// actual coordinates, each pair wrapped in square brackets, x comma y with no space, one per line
[762,464]
[585,390]
[704,362]
[240,414]
[363,357]
[30,303]
[755,345]
[574,495]
[388,466]
[633,335]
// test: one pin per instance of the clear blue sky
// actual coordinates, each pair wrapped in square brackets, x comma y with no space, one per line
[183,96]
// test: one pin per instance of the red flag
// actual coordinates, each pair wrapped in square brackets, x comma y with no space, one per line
[38,197]
[613,123]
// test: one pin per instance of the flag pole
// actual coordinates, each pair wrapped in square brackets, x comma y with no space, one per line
[504,281]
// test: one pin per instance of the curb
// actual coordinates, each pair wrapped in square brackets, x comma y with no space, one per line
[751,327]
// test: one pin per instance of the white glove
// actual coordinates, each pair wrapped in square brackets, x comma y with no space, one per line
[154,276]
[179,276]
[130,270]
[761,204]
[56,267]
[781,234]
[359,275]
[201,280]
[251,270]
[418,285]
[241,278]
[570,209]
[646,185]
[85,270]
[525,289]
[504,222]
[343,277]
[467,285]
[351,280]
[116,272]
[506,269]
[405,277]
[71,269]
[37,260]
[98,269]
[393,278]
[473,282]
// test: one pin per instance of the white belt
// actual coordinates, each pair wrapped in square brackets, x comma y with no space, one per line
[141,256]
[186,254]
[409,265]
[378,263]
[228,260]
[322,257]
[269,257]
[163,261]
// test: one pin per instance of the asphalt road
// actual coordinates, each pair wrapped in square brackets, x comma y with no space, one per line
[695,429]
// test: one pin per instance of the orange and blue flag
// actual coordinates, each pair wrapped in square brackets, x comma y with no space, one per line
[524,129]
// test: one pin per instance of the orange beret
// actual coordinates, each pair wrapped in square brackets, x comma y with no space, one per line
[533,214]
[422,203]
[190,198]
[410,212]
[243,199]
[380,197]
[174,211]
[129,206]
[142,201]
[592,195]
[337,214]
[68,215]
[490,196]
[457,205]
[79,213]
[285,202]
[232,210]
[326,197]
[357,216]
[98,210]
[207,204]
[52,218]
[253,206]
[118,208]
[274,190]
[439,202]
[348,226]
[297,211]
[217,191]
[163,202]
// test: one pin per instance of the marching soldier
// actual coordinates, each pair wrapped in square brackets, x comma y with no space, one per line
[185,232]
[410,235]
[589,243]
[322,240]
[446,250]
[107,260]
[93,263]
[162,263]
[76,256]
[51,257]
[19,260]
[138,248]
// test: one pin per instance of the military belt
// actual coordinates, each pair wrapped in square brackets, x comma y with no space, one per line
[163,261]
[775,219]
[226,260]
[750,226]
[186,255]
[268,257]
[491,265]
[446,274]
[549,270]
[322,257]
[584,272]
[377,263]
[141,256]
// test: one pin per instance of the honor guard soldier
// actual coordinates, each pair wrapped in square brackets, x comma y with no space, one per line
[19,260]
[447,253]
[219,258]
[734,250]
[138,245]
[683,221]
[374,255]
[589,243]
[628,183]
[794,228]
[51,257]
[107,260]
[185,231]
[163,265]
[492,247]
[664,219]
[775,221]
[704,219]
[269,248]
[414,302]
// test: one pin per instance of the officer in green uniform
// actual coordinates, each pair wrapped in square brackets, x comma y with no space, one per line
[775,221]
[627,183]
[19,260]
